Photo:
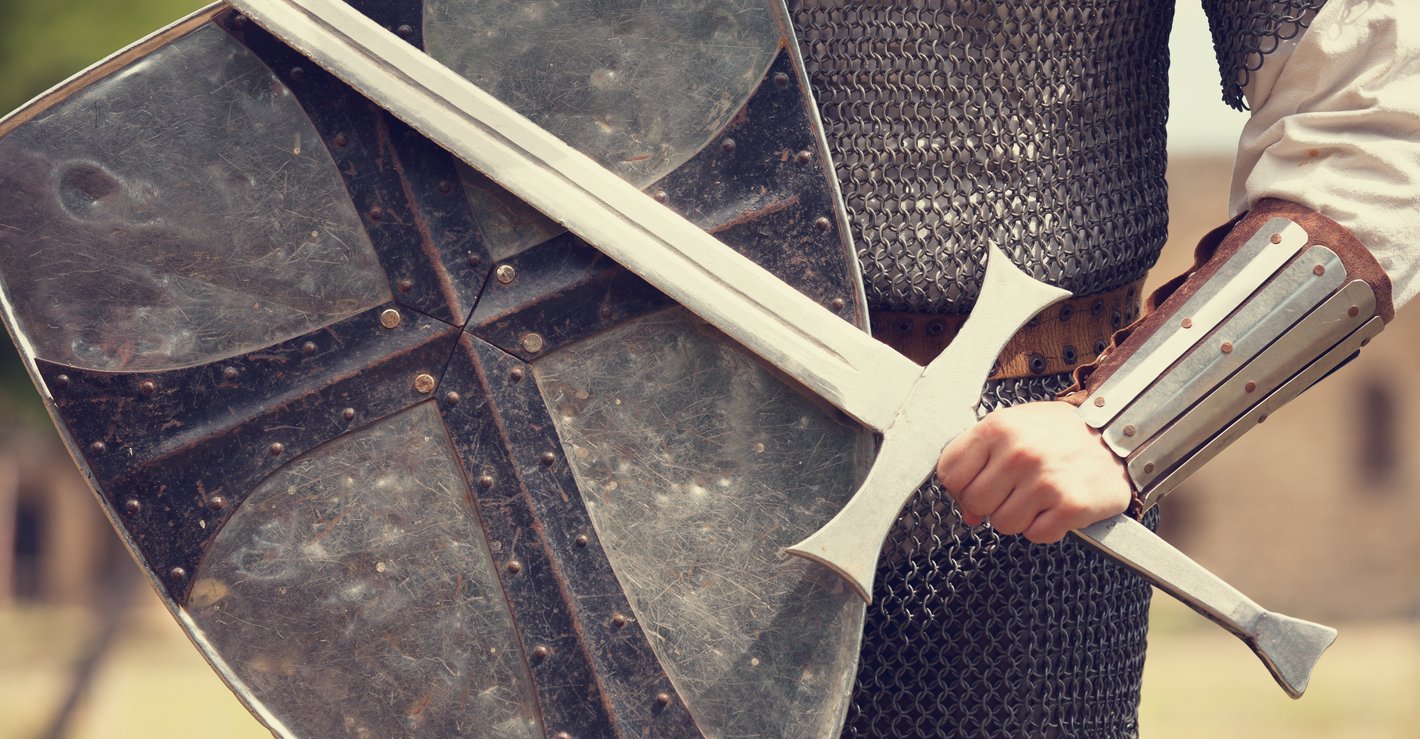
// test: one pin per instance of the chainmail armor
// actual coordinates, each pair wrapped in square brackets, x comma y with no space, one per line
[1038,127]
[1245,31]
[954,124]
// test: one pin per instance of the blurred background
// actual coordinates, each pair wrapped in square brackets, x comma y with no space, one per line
[1313,515]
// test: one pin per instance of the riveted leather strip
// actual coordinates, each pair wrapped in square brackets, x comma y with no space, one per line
[1058,340]
[1212,251]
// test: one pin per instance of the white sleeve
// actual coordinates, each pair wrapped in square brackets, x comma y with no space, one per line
[1336,128]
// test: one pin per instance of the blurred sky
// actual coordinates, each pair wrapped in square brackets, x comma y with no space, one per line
[1199,122]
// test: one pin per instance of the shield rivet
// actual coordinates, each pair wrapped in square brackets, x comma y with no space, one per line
[663,698]
[532,343]
[229,374]
[548,458]
[514,567]
[177,573]
[132,506]
[582,540]
[728,145]
[837,303]
[348,414]
[781,80]
[98,447]
[803,157]
[516,374]
[376,212]
[660,196]
[276,448]
[217,503]
[390,318]
[297,74]
[474,260]
[147,387]
[618,620]
[62,381]
[425,383]
[404,284]
[405,30]
[506,273]
[452,398]
[340,141]
[823,224]
[542,652]
[309,347]
[485,482]
[446,187]
[561,735]
[605,312]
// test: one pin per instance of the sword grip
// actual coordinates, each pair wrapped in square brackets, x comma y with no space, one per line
[1289,647]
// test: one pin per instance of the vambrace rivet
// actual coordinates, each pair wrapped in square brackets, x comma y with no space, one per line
[1099,402]
[1250,386]
[803,157]
[1353,311]
[837,303]
[425,383]
[561,735]
[1276,238]
[132,506]
[823,224]
[506,273]
[452,398]
[781,80]
[177,573]
[98,447]
[62,381]
[532,343]
[661,197]
[1262,418]
[1186,323]
[1149,468]
[390,318]
[1130,430]
[1319,270]
[1227,347]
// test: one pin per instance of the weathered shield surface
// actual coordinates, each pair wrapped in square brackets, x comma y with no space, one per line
[400,455]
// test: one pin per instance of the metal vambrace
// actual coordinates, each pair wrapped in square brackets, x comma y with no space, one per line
[1275,301]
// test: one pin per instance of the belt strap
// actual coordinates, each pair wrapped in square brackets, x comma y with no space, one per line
[1061,338]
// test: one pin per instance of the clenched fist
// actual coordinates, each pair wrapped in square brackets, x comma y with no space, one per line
[1034,469]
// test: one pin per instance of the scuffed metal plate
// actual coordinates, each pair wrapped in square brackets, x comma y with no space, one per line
[698,466]
[179,211]
[354,594]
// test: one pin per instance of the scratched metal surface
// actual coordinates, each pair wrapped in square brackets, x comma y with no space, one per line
[354,594]
[179,211]
[697,466]
[639,87]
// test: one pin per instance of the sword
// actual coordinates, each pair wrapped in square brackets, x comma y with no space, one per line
[917,410]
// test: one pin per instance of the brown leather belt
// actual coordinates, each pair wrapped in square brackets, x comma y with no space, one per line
[1061,338]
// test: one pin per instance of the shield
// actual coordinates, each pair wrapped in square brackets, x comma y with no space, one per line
[401,456]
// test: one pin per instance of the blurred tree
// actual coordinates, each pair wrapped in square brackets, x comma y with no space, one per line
[42,43]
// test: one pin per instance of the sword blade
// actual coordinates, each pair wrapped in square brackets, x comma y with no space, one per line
[863,377]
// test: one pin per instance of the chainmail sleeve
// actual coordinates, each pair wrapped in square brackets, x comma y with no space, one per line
[1246,31]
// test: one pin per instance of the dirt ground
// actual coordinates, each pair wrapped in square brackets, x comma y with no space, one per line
[1199,682]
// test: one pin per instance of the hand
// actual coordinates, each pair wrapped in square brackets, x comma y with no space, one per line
[1034,469]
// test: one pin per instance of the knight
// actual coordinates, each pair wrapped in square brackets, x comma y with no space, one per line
[1039,127]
